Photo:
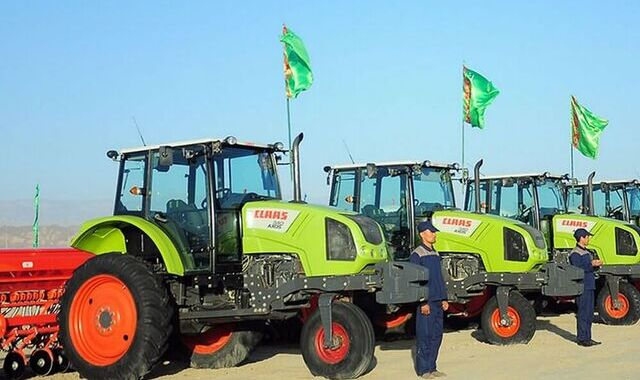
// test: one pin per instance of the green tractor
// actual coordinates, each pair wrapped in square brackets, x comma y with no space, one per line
[539,200]
[202,248]
[611,199]
[493,266]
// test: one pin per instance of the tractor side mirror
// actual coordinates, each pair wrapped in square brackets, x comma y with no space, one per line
[112,154]
[165,156]
[371,170]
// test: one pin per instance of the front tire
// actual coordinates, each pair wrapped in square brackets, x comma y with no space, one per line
[629,311]
[115,318]
[523,321]
[354,343]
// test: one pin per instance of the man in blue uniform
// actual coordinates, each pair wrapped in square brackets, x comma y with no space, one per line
[581,257]
[430,314]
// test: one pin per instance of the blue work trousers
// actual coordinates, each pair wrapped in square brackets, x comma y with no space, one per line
[429,330]
[584,316]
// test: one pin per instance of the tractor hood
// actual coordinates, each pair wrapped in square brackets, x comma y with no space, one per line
[504,245]
[614,241]
[327,241]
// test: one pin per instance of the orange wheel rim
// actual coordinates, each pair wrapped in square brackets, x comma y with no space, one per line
[506,331]
[209,341]
[396,319]
[336,354]
[617,313]
[102,320]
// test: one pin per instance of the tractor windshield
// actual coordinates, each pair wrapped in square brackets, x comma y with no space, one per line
[511,198]
[575,195]
[608,202]
[550,198]
[633,196]
[242,174]
[432,191]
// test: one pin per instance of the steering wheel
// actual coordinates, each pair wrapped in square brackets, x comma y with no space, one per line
[250,197]
[522,216]
[614,210]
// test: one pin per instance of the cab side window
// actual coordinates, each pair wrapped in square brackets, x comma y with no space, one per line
[132,181]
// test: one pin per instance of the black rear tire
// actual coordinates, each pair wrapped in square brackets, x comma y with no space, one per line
[629,295]
[152,326]
[523,329]
[230,351]
[355,340]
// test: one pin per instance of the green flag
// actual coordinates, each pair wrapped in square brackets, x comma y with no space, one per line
[297,66]
[585,129]
[477,94]
[36,206]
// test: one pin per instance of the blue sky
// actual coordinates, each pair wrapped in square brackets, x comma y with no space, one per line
[387,81]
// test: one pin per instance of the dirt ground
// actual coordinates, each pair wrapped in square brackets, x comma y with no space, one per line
[552,354]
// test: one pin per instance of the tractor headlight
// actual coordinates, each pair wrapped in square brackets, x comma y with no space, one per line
[515,247]
[340,243]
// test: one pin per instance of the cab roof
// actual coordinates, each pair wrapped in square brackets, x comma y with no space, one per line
[612,182]
[198,141]
[524,175]
[427,163]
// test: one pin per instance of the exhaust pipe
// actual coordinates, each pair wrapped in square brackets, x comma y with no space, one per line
[590,191]
[476,183]
[295,161]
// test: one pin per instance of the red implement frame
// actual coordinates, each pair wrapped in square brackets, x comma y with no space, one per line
[31,284]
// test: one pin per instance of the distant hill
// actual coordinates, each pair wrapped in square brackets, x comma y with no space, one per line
[22,236]
[53,212]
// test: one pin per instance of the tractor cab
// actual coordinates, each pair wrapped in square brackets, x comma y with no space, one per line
[611,199]
[194,192]
[533,199]
[397,195]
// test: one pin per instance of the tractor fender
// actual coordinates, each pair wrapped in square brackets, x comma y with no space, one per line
[105,235]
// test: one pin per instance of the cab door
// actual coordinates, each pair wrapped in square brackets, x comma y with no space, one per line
[178,202]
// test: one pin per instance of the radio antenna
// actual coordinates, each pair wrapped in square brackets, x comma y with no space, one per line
[348,152]
[135,122]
